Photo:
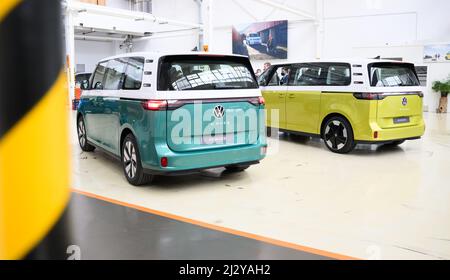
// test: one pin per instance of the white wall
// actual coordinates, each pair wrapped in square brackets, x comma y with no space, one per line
[389,28]
[432,22]
[90,52]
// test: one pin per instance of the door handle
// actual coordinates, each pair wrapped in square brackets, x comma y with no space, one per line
[291,95]
[281,95]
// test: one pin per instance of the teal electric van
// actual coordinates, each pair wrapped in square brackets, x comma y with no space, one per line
[174,114]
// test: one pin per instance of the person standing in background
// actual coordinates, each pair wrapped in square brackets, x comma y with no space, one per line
[284,76]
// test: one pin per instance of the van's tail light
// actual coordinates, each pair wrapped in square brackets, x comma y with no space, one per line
[369,96]
[257,100]
[261,100]
[421,95]
[164,162]
[155,105]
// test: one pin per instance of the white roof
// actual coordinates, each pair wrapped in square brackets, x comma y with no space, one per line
[360,61]
[160,54]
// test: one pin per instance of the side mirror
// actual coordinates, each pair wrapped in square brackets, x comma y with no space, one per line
[85,84]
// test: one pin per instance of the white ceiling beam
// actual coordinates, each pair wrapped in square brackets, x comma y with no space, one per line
[89,30]
[287,9]
[98,38]
[126,14]
[162,35]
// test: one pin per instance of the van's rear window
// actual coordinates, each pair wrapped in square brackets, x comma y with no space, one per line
[393,75]
[200,72]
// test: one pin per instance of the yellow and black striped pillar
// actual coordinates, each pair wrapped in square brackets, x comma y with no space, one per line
[34,144]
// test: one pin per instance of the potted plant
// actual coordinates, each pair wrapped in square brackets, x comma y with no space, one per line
[444,89]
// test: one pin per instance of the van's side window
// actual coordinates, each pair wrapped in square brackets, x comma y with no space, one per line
[280,76]
[263,78]
[321,74]
[275,80]
[134,73]
[115,74]
[307,75]
[99,75]
[338,75]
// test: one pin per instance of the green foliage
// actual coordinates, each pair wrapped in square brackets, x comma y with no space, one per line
[442,87]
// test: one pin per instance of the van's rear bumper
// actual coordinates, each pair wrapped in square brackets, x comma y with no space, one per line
[182,163]
[393,134]
[191,171]
[384,141]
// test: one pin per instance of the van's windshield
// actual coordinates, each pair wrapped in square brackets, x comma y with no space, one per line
[199,72]
[393,75]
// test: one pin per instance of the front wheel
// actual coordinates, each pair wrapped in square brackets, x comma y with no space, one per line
[82,136]
[338,135]
[131,162]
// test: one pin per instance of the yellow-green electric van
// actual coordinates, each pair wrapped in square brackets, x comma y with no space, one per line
[345,102]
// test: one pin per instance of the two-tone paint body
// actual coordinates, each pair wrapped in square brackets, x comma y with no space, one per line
[112,114]
[305,109]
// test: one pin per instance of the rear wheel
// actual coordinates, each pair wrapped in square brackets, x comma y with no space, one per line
[338,135]
[236,168]
[82,136]
[131,162]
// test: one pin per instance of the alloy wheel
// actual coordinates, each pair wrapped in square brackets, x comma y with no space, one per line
[336,135]
[129,159]
[81,133]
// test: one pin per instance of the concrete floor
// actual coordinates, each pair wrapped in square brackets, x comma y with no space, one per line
[375,203]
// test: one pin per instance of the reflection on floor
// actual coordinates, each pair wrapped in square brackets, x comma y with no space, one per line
[377,202]
[104,230]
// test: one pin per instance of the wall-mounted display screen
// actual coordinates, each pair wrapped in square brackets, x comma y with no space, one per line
[437,53]
[261,40]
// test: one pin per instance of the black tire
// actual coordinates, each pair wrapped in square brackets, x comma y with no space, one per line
[338,135]
[236,168]
[131,163]
[396,143]
[82,136]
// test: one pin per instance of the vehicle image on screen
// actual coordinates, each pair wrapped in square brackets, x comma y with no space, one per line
[345,102]
[253,39]
[174,114]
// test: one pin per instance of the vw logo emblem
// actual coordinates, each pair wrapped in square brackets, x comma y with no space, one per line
[219,111]
[405,101]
